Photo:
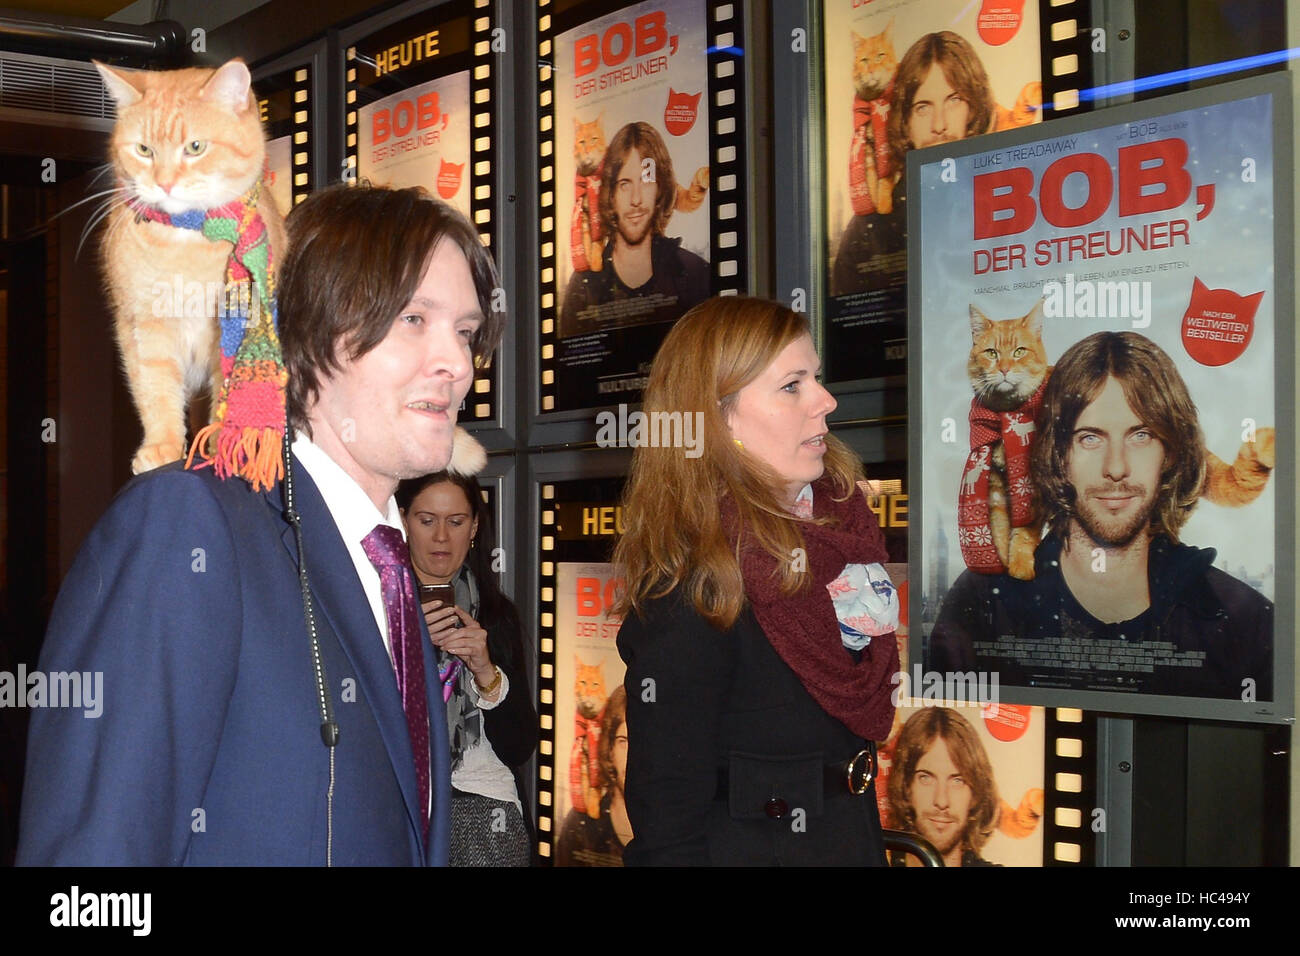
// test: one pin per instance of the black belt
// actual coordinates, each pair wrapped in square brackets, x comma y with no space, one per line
[853,776]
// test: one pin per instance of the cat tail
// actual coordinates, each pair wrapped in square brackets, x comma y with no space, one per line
[1240,483]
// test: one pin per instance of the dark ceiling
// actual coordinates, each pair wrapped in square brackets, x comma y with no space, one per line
[94,9]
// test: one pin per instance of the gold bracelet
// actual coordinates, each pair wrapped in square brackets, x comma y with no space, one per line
[484,691]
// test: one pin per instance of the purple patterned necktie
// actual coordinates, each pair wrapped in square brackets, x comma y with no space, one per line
[387,552]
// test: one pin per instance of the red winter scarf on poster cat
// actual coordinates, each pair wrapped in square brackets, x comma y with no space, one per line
[987,427]
[869,116]
[588,729]
[803,628]
[585,187]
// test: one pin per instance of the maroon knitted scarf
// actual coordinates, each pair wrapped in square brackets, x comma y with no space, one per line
[803,628]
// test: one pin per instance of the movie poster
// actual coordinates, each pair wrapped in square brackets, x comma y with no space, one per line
[883,98]
[420,137]
[968,778]
[1097,319]
[632,183]
[590,719]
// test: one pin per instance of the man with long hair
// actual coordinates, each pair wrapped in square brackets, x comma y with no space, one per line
[1118,464]
[941,786]
[638,192]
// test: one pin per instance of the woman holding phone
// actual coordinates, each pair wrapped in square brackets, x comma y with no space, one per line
[758,627]
[479,640]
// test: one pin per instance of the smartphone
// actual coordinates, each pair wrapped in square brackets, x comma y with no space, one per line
[446,593]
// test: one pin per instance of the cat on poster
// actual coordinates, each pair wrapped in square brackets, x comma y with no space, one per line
[590,720]
[902,75]
[631,183]
[1097,318]
[420,137]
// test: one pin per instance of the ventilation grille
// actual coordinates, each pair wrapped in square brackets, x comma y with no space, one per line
[58,89]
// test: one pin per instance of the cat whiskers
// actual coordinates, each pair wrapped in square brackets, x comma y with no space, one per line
[110,199]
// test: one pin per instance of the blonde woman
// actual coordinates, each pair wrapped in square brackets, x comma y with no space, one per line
[758,629]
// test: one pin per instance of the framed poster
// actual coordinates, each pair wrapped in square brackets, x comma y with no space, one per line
[901,75]
[642,167]
[1105,407]
[419,91]
[288,93]
[969,778]
[581,692]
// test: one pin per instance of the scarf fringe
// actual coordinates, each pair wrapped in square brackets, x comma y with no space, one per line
[255,454]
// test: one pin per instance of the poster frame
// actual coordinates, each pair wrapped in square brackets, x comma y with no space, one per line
[314,57]
[731,155]
[1282,708]
[495,389]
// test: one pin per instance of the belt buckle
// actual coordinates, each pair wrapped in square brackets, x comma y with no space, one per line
[867,756]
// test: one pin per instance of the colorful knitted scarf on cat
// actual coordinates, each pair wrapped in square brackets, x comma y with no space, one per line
[870,136]
[247,429]
[1015,430]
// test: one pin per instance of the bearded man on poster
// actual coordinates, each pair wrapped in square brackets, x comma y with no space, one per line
[638,193]
[1118,464]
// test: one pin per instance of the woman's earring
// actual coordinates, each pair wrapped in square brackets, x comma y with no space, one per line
[739,443]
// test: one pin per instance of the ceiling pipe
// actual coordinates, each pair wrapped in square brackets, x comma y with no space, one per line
[80,38]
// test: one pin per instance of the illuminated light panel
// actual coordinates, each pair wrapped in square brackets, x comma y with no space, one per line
[548,544]
[548,491]
[482,119]
[1061,3]
[300,117]
[547,695]
[548,376]
[482,48]
[482,385]
[483,191]
[1069,782]
[545,98]
[1064,30]
[727,183]
[300,159]
[546,124]
[482,410]
[548,672]
[1065,65]
[547,147]
[548,619]
[544,74]
[483,95]
[727,210]
[300,179]
[482,167]
[725,97]
[482,71]
[300,76]
[724,12]
[352,74]
[544,48]
[352,117]
[727,154]
[548,224]
[300,96]
[1069,817]
[482,144]
[724,69]
[725,40]
[548,402]
[728,268]
[727,240]
[544,23]
[726,126]
[352,96]
[352,140]
[1067,852]
[482,23]
[300,137]
[1069,715]
[548,723]
[548,351]
[548,647]
[1069,747]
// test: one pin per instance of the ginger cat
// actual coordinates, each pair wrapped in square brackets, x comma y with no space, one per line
[872,177]
[584,761]
[1028,106]
[1008,368]
[185,141]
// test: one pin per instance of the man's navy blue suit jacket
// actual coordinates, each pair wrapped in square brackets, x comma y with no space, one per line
[208,749]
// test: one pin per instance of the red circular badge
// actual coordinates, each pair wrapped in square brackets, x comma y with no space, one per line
[1218,324]
[1006,721]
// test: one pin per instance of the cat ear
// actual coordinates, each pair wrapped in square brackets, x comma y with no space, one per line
[1034,320]
[119,84]
[1198,287]
[979,322]
[229,86]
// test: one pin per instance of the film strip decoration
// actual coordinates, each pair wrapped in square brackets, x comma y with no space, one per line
[285,105]
[579,521]
[1069,42]
[726,157]
[422,89]
[1070,773]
